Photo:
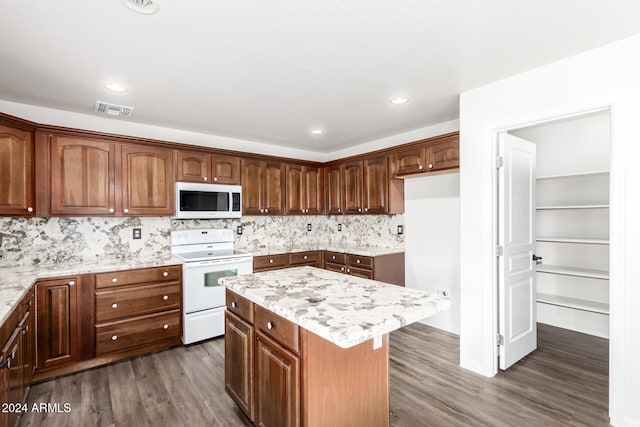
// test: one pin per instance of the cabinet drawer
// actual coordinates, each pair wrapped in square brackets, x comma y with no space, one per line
[115,336]
[240,306]
[360,261]
[332,266]
[278,328]
[129,277]
[360,272]
[335,257]
[136,301]
[303,258]
[269,262]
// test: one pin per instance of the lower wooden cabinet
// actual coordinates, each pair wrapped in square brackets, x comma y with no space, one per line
[238,355]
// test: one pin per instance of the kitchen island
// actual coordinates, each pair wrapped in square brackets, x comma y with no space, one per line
[306,346]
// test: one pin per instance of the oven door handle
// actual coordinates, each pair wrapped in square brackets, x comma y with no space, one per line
[217,262]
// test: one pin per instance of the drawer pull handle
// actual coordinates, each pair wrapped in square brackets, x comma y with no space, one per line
[165,326]
[270,325]
[233,304]
[357,261]
[165,273]
[165,297]
[25,329]
[72,282]
[270,261]
[114,305]
[333,257]
[114,280]
[305,257]
[114,337]
[27,303]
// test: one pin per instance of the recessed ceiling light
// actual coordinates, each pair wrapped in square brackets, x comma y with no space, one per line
[398,100]
[116,87]
[317,131]
[147,7]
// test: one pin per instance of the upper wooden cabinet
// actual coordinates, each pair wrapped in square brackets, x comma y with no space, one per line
[17,189]
[427,157]
[444,155]
[375,185]
[304,195]
[352,178]
[263,187]
[147,180]
[410,161]
[334,191]
[82,176]
[196,166]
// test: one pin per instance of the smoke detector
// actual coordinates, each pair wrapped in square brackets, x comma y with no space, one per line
[146,7]
[113,109]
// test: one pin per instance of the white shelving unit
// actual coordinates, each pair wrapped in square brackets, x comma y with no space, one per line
[572,222]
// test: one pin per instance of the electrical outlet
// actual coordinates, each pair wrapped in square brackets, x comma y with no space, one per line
[443,292]
[400,229]
[239,229]
[137,233]
[308,227]
[339,227]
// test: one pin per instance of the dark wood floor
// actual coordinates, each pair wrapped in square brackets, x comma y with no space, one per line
[564,382]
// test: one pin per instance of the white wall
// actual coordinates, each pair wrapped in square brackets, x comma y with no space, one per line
[432,241]
[607,76]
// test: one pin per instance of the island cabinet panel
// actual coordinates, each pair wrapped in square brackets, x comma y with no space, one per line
[375,185]
[17,192]
[352,177]
[225,169]
[193,166]
[239,372]
[11,356]
[147,180]
[334,191]
[240,306]
[82,176]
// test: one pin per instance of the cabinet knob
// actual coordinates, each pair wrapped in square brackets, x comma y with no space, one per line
[114,280]
[72,282]
[114,337]
[305,257]
[339,210]
[270,325]
[262,210]
[270,261]
[341,268]
[348,270]
[430,165]
[165,273]
[126,210]
[114,305]
[111,210]
[357,261]
[233,304]
[420,167]
[204,178]
[165,298]
[366,209]
[215,178]
[29,209]
[25,329]
[359,210]
[165,326]
[333,257]
[266,210]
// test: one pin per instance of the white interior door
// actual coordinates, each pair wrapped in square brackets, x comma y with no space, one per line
[516,236]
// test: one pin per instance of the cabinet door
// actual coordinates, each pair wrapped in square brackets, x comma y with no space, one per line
[16,172]
[193,166]
[353,187]
[10,357]
[375,185]
[57,338]
[335,192]
[409,161]
[28,346]
[82,176]
[251,187]
[277,384]
[238,359]
[147,181]
[295,204]
[274,190]
[313,190]
[226,169]
[445,155]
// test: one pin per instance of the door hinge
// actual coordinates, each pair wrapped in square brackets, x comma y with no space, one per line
[499,250]
[500,339]
[499,162]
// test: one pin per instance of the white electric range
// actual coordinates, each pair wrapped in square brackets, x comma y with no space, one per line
[208,255]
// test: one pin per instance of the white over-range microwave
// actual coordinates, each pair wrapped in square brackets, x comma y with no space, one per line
[208,201]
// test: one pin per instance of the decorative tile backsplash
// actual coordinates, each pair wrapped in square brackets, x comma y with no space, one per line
[26,241]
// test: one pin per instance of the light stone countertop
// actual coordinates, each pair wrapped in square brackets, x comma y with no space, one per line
[371,251]
[16,281]
[342,309]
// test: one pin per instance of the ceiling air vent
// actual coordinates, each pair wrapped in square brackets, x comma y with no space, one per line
[147,7]
[113,109]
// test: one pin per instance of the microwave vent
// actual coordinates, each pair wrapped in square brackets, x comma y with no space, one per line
[113,109]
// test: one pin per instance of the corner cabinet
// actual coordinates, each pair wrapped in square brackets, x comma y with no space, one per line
[304,193]
[263,187]
[147,181]
[17,192]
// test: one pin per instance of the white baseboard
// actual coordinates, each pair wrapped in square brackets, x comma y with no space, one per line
[631,422]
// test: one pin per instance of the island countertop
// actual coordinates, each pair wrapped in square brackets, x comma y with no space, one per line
[345,310]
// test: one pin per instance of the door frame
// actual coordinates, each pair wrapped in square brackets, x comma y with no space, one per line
[616,249]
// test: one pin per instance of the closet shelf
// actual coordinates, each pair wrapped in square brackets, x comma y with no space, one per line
[574,175]
[558,207]
[575,303]
[582,240]
[573,271]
